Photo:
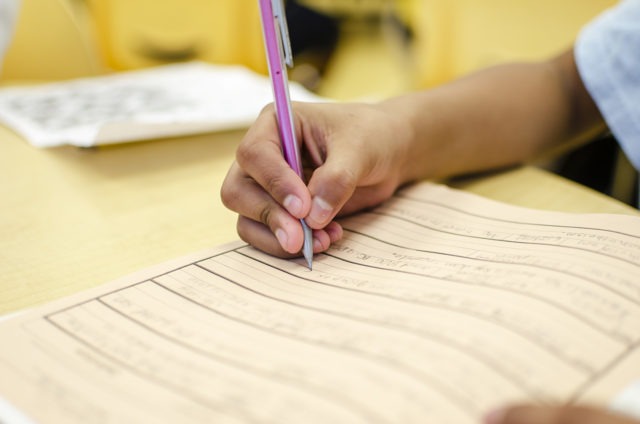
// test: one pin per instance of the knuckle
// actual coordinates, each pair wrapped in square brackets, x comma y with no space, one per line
[268,109]
[265,214]
[229,194]
[227,197]
[247,153]
[343,180]
[275,184]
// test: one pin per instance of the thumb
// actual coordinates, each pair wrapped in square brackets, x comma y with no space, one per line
[333,183]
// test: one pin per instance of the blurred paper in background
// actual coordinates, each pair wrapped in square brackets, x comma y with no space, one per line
[158,102]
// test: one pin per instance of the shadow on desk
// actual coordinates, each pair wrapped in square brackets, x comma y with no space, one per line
[603,166]
[146,157]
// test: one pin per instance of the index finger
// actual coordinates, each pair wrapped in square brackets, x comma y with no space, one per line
[260,156]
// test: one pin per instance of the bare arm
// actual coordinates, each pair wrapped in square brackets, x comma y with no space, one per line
[496,117]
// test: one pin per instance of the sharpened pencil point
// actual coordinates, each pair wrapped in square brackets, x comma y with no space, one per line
[307,247]
[309,264]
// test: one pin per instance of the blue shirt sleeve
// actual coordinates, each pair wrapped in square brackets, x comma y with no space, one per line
[607,54]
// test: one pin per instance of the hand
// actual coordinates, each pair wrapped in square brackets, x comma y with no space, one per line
[556,415]
[354,156]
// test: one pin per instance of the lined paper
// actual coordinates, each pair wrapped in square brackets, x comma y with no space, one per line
[436,307]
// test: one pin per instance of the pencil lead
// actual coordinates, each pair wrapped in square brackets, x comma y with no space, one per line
[307,252]
[307,246]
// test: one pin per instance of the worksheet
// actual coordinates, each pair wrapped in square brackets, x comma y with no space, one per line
[164,101]
[436,307]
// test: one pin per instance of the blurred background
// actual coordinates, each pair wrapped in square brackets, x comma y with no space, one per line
[343,49]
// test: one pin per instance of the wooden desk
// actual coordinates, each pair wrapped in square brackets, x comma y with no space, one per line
[75,218]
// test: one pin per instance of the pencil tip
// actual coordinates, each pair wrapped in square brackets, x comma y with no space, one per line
[308,256]
[307,248]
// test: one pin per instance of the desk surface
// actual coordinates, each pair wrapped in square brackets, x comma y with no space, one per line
[75,218]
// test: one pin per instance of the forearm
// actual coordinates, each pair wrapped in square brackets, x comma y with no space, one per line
[497,117]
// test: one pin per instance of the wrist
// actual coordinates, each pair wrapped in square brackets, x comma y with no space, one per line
[419,137]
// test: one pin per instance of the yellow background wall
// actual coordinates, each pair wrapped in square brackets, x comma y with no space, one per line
[455,37]
[58,39]
[220,31]
[52,40]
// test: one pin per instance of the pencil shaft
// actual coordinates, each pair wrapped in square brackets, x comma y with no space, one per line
[274,30]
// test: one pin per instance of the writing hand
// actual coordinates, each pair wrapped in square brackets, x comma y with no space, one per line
[354,156]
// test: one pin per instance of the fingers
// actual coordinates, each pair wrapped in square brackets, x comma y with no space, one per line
[261,187]
[244,195]
[358,154]
[266,224]
[555,415]
[268,194]
[261,237]
[332,185]
[260,157]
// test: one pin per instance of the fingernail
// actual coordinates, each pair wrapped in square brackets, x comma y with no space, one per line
[320,210]
[293,204]
[317,246]
[282,237]
[495,417]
